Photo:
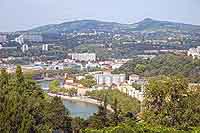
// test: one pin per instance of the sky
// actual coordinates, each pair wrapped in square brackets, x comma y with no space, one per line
[25,14]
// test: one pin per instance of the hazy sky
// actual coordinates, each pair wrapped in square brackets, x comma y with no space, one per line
[25,14]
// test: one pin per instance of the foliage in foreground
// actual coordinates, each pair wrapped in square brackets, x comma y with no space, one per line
[25,108]
[139,128]
[170,102]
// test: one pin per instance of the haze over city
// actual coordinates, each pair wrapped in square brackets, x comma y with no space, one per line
[26,14]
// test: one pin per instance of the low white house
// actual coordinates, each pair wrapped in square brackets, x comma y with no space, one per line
[129,90]
[90,65]
[110,79]
[133,78]
[194,52]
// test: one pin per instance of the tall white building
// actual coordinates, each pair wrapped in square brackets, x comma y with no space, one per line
[83,56]
[20,39]
[110,79]
[45,47]
[24,48]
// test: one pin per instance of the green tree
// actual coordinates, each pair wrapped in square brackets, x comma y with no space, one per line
[102,112]
[4,78]
[77,124]
[163,65]
[115,107]
[72,92]
[88,82]
[3,97]
[56,113]
[24,107]
[140,68]
[100,119]
[168,102]
[19,75]
[54,86]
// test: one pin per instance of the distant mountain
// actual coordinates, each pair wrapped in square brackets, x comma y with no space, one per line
[100,26]
[81,26]
[155,25]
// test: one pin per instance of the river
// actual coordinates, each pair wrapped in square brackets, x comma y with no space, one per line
[76,108]
[80,109]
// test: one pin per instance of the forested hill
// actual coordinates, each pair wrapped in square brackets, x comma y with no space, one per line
[81,26]
[164,65]
[102,26]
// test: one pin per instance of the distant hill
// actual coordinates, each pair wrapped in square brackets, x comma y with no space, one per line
[81,26]
[100,26]
[155,25]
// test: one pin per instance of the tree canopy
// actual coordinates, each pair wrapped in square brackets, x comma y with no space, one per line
[88,82]
[163,65]
[24,107]
[170,102]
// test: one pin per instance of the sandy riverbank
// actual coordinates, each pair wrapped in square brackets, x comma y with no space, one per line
[80,99]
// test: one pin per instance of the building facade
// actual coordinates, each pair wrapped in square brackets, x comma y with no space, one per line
[110,79]
[83,56]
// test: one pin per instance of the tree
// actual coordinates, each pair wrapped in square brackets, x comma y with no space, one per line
[71,91]
[18,112]
[116,112]
[163,65]
[3,97]
[19,75]
[24,107]
[102,113]
[100,119]
[88,82]
[54,86]
[168,101]
[4,78]
[77,124]
[56,113]
[140,68]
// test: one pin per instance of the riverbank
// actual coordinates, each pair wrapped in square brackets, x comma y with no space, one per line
[80,99]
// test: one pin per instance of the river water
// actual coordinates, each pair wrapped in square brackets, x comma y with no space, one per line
[80,109]
[77,109]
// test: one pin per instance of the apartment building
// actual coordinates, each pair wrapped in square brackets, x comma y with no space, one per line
[83,56]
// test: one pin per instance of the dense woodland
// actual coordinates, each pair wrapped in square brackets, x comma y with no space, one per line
[164,65]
